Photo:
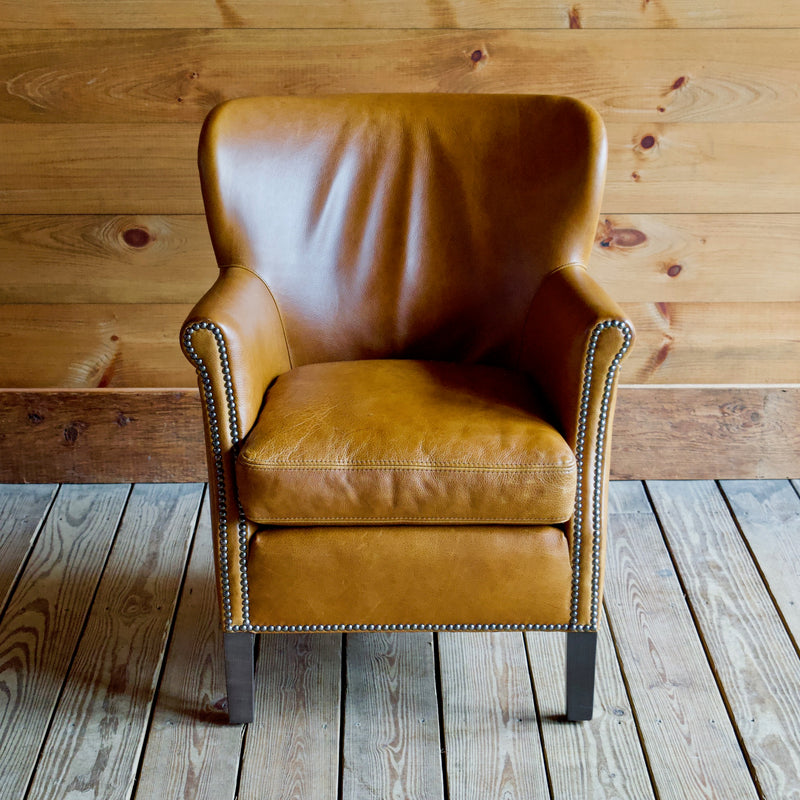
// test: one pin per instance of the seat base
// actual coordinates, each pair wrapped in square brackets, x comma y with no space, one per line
[408,576]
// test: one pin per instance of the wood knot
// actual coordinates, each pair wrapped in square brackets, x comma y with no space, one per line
[35,418]
[648,141]
[124,419]
[73,431]
[674,270]
[136,237]
[476,56]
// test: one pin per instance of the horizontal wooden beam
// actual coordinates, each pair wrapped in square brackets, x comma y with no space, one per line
[115,76]
[151,258]
[151,168]
[131,345]
[301,14]
[661,432]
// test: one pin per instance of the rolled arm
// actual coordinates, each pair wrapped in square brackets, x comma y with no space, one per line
[574,340]
[235,339]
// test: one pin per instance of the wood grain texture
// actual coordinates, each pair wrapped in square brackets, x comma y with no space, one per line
[98,345]
[149,168]
[701,258]
[168,259]
[736,167]
[101,436]
[768,514]
[93,345]
[22,511]
[292,746]
[753,657]
[57,76]
[490,724]
[190,747]
[706,432]
[597,760]
[67,14]
[105,259]
[391,720]
[94,743]
[44,620]
[688,739]
[705,343]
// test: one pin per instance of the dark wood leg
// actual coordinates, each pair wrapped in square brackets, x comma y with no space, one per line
[581,652]
[240,676]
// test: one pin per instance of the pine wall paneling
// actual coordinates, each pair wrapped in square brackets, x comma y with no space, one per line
[103,245]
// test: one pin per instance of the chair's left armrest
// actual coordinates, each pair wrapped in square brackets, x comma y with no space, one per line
[574,340]
[235,339]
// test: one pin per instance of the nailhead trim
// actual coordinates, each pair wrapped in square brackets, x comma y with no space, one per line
[216,447]
[398,627]
[580,455]
[208,396]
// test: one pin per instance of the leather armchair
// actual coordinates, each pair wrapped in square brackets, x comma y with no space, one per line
[408,375]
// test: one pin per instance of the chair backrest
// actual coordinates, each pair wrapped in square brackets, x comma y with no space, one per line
[403,226]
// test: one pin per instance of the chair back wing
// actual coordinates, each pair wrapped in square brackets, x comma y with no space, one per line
[403,226]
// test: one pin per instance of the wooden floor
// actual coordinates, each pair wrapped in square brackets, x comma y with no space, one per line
[111,683]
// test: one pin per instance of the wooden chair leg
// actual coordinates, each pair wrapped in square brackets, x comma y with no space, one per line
[240,676]
[581,653]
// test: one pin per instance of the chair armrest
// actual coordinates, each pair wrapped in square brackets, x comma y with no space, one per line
[574,340]
[235,338]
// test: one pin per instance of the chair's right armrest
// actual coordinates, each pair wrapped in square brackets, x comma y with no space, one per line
[574,341]
[235,339]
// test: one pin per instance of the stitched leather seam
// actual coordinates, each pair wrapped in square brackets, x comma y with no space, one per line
[379,466]
[534,520]
[274,301]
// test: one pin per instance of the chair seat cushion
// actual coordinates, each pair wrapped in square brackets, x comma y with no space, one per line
[401,441]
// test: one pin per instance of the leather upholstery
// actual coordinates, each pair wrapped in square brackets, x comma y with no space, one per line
[418,228]
[403,226]
[401,441]
[410,575]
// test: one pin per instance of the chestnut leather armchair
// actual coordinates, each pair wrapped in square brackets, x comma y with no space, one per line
[407,373]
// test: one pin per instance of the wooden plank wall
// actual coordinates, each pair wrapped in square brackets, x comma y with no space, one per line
[103,247]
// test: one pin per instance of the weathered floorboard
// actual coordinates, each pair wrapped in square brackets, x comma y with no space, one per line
[688,738]
[22,512]
[492,741]
[768,514]
[751,653]
[735,432]
[102,435]
[292,746]
[191,750]
[94,743]
[43,622]
[391,719]
[607,749]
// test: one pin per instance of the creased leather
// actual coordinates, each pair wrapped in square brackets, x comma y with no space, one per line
[403,226]
[402,441]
